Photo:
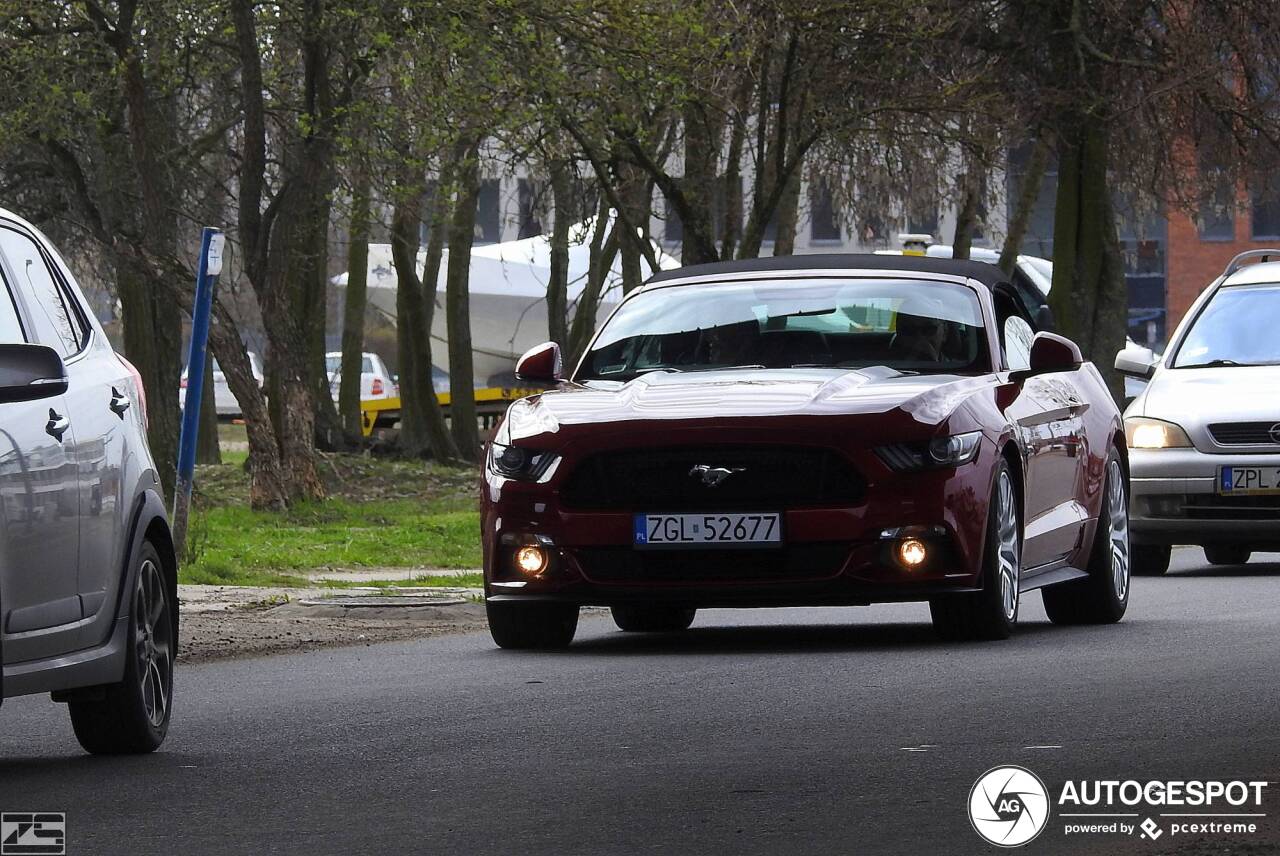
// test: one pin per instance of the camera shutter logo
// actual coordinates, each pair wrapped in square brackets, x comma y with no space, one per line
[33,833]
[1009,806]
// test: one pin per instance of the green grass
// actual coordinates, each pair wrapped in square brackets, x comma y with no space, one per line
[381,514]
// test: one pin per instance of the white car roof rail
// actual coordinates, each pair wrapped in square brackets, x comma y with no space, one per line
[1238,262]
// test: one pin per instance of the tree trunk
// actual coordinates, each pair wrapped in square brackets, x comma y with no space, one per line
[207,448]
[153,344]
[1088,297]
[292,393]
[329,431]
[558,282]
[701,156]
[413,440]
[1027,195]
[439,438]
[602,249]
[967,216]
[354,306]
[462,402]
[788,217]
[267,488]
[635,193]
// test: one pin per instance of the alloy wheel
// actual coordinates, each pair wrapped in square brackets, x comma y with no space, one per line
[1118,530]
[154,642]
[1008,558]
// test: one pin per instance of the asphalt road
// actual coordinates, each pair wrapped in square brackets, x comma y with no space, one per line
[777,731]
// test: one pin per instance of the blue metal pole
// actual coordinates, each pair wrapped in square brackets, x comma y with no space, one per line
[206,277]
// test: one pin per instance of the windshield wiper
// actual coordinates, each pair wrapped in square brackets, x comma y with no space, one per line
[852,365]
[1218,364]
[725,368]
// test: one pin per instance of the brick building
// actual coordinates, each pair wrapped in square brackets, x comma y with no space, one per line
[1200,246]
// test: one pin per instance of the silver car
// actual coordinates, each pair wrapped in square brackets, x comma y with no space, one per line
[88,577]
[1204,436]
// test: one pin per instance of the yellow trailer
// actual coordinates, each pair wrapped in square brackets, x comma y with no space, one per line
[491,403]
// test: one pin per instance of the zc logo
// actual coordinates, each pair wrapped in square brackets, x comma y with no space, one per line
[1009,806]
[33,834]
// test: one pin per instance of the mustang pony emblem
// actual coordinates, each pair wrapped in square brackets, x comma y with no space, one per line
[712,476]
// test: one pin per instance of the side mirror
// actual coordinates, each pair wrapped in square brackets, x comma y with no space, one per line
[1044,319]
[1137,363]
[30,372]
[1050,353]
[541,364]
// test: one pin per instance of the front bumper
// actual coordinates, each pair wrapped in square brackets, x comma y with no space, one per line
[830,557]
[1175,500]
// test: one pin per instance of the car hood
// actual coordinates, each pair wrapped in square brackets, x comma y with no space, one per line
[742,394]
[1191,397]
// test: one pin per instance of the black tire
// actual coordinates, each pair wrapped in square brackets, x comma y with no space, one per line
[532,626]
[1151,560]
[985,614]
[1226,554]
[652,618]
[1103,596]
[132,717]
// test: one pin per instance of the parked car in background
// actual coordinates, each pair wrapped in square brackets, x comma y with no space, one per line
[88,577]
[808,430]
[376,380]
[228,406]
[1205,435]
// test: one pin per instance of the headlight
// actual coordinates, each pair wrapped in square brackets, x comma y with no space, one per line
[517,462]
[956,449]
[1143,433]
[950,451]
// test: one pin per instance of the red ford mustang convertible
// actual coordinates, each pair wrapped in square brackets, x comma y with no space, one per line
[812,430]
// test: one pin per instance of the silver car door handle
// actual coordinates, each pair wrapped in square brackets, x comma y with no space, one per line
[57,425]
[119,402]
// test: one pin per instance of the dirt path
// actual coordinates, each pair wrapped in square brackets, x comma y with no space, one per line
[229,621]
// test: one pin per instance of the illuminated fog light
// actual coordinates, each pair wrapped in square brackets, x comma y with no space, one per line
[531,560]
[912,553]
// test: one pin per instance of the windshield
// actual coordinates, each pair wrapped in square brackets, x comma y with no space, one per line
[1237,328]
[913,326]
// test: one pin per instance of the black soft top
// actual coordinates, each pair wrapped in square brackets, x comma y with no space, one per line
[987,274]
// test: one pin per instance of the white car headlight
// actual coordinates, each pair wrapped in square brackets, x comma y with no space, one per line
[1144,433]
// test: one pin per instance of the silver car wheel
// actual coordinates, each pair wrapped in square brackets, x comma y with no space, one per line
[1008,555]
[154,642]
[1118,529]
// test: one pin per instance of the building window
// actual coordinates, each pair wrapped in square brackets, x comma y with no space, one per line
[488,213]
[1216,217]
[720,209]
[923,220]
[824,225]
[531,204]
[1266,212]
[673,226]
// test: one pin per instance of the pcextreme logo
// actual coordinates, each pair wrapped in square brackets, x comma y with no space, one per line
[1009,806]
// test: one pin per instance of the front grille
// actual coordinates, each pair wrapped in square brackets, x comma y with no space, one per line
[1216,507]
[761,478]
[621,565]
[1246,433]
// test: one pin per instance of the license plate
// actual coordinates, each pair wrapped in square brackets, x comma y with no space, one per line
[707,530]
[1249,480]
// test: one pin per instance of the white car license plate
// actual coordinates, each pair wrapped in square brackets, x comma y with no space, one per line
[707,530]
[1249,480]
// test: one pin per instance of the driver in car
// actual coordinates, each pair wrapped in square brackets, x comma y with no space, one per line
[919,338]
